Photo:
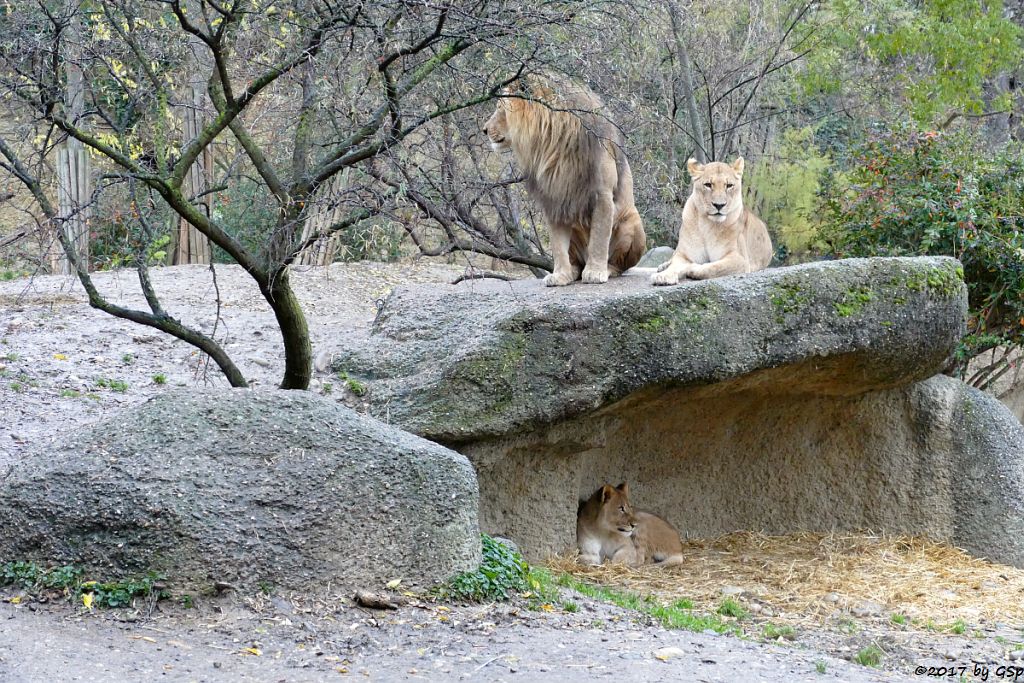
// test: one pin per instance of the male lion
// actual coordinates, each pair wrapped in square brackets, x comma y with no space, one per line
[717,236]
[572,158]
[608,528]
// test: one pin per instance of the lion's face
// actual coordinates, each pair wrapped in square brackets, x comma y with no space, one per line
[616,512]
[718,188]
[496,128]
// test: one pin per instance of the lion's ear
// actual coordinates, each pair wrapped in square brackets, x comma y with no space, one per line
[606,492]
[694,168]
[738,165]
[623,488]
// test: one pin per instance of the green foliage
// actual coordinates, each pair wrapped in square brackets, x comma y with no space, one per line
[773,632]
[31,577]
[731,608]
[371,240]
[678,614]
[819,666]
[159,378]
[913,192]
[354,385]
[960,44]
[246,210]
[501,573]
[120,593]
[871,655]
[899,619]
[8,274]
[116,239]
[117,385]
[782,189]
[936,55]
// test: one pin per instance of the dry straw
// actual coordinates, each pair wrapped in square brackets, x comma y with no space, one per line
[807,578]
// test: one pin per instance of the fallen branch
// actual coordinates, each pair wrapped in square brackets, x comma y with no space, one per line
[481,275]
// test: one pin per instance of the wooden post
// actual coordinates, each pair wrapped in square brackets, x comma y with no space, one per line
[188,245]
[323,251]
[73,188]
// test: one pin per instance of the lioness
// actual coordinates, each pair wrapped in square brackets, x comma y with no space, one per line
[717,236]
[608,528]
[571,156]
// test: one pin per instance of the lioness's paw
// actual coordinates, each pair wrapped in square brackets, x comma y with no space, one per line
[595,276]
[558,279]
[664,265]
[666,277]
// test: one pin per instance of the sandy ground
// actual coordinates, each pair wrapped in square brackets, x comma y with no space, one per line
[63,364]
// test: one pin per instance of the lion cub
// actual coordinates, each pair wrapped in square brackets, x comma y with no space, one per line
[608,528]
[717,236]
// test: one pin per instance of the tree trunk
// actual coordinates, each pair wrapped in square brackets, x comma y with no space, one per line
[686,80]
[298,352]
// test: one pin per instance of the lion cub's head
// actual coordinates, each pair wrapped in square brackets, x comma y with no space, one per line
[718,188]
[615,514]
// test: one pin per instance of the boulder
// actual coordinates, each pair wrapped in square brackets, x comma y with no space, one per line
[655,257]
[279,488]
[789,399]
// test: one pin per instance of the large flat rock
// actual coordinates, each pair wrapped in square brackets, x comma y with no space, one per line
[803,398]
[285,489]
[486,358]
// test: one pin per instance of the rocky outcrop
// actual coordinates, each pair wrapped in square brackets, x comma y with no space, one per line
[280,488]
[787,399]
[484,359]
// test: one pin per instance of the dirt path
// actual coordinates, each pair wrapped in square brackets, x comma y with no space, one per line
[63,364]
[216,641]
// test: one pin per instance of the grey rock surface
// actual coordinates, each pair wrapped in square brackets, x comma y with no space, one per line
[988,494]
[789,399]
[484,359]
[279,488]
[655,257]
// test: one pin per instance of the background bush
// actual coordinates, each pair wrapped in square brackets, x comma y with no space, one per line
[913,191]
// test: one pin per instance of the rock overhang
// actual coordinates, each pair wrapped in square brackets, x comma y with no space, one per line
[489,358]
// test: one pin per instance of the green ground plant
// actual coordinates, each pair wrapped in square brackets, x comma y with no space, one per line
[68,579]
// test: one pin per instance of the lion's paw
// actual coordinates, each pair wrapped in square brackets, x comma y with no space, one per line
[558,279]
[665,277]
[595,276]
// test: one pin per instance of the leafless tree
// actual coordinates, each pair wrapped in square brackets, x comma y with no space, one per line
[297,92]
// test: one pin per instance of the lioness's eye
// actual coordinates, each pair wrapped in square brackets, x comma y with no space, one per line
[708,185]
[728,185]
[622,508]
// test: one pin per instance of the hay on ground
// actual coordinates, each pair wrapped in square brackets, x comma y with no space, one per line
[810,577]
